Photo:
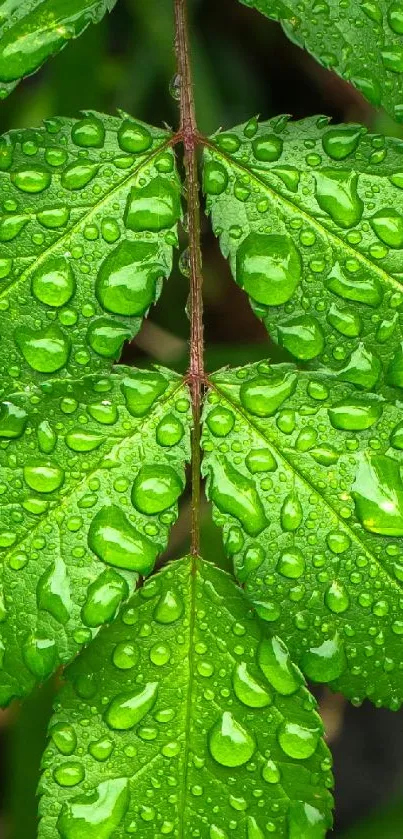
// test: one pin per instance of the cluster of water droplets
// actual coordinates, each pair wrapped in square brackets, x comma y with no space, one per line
[184,712]
[87,227]
[361,42]
[305,477]
[90,475]
[317,240]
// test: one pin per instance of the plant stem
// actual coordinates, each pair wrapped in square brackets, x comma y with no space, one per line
[190,137]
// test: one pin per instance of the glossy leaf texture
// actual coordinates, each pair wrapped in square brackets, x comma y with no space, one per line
[90,474]
[361,41]
[201,725]
[305,476]
[88,224]
[311,218]
[31,31]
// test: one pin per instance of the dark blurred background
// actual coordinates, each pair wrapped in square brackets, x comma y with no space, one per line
[243,65]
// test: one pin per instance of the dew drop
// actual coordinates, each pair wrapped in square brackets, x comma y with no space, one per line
[43,475]
[302,336]
[248,690]
[230,743]
[127,709]
[342,141]
[325,662]
[134,137]
[53,283]
[13,420]
[128,277]
[153,207]
[169,607]
[53,591]
[275,662]
[88,133]
[46,351]
[378,495]
[215,178]
[298,741]
[169,431]
[103,598]
[114,540]
[31,180]
[268,267]
[95,815]
[267,147]
[39,655]
[337,195]
[155,489]
[141,390]
[235,494]
[263,395]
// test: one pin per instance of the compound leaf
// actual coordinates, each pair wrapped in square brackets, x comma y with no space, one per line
[311,218]
[200,724]
[305,476]
[90,473]
[31,31]
[90,212]
[361,41]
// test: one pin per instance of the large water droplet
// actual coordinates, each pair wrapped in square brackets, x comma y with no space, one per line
[156,488]
[336,598]
[247,688]
[53,591]
[268,267]
[141,390]
[169,607]
[46,351]
[230,743]
[337,195]
[363,368]
[134,137]
[64,737]
[215,178]
[43,475]
[388,226]
[291,564]
[106,337]
[346,321]
[127,709]
[302,336]
[95,815]
[220,421]
[354,415]
[297,740]
[362,289]
[127,281]
[254,831]
[169,431]
[78,175]
[88,133]
[53,282]
[11,226]
[263,395]
[103,598]
[237,495]
[306,821]
[69,774]
[378,495]
[39,655]
[325,662]
[291,512]
[339,142]
[155,206]
[267,147]
[275,662]
[31,180]
[13,420]
[114,539]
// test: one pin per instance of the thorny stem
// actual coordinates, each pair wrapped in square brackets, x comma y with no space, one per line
[190,137]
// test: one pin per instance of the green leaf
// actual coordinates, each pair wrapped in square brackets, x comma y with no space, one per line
[361,41]
[311,218]
[200,724]
[90,473]
[90,212]
[31,31]
[305,476]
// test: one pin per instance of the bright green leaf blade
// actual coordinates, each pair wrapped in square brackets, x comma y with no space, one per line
[304,473]
[90,212]
[311,218]
[31,31]
[361,41]
[200,725]
[90,474]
